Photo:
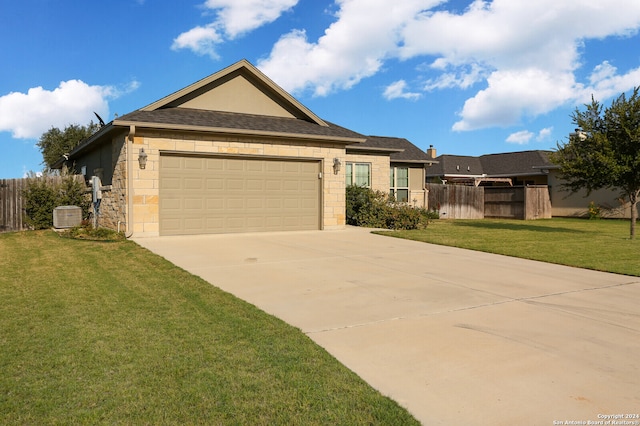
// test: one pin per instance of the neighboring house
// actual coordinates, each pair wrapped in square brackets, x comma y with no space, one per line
[232,152]
[512,168]
[523,168]
[389,164]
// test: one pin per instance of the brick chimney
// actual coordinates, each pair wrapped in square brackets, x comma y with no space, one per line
[431,152]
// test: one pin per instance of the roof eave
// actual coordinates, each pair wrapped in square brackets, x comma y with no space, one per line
[239,132]
[84,144]
[374,150]
[429,162]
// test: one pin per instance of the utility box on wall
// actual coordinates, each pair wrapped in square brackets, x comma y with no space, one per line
[67,216]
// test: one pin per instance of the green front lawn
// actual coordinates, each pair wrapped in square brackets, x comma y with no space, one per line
[108,333]
[603,245]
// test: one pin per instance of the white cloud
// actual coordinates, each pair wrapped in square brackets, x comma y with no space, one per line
[28,115]
[233,18]
[513,94]
[237,17]
[521,138]
[463,79]
[526,52]
[605,82]
[523,56]
[366,33]
[397,90]
[201,40]
[544,134]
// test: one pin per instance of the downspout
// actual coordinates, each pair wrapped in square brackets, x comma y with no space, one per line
[129,222]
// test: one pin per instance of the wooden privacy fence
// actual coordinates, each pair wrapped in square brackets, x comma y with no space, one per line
[504,202]
[517,202]
[457,201]
[12,202]
[11,210]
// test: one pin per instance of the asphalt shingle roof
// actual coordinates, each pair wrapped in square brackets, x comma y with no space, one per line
[456,165]
[504,164]
[237,121]
[409,153]
[514,163]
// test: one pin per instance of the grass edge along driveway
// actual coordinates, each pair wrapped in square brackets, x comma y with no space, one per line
[107,332]
[601,245]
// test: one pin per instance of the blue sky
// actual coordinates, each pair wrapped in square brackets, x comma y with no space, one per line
[469,77]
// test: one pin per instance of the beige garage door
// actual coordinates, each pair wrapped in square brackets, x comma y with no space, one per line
[205,195]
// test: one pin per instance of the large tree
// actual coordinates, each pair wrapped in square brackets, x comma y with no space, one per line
[54,143]
[604,152]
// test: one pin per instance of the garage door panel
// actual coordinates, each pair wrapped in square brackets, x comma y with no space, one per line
[234,165]
[215,164]
[255,203]
[172,163]
[193,183]
[171,204]
[218,195]
[214,184]
[193,163]
[214,204]
[273,185]
[273,166]
[193,224]
[255,185]
[170,183]
[194,204]
[234,184]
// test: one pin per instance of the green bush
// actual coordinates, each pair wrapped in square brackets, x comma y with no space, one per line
[376,209]
[595,211]
[43,194]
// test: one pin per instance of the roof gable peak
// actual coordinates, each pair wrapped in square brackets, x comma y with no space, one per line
[239,88]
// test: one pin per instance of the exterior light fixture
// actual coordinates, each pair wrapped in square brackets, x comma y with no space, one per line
[142,159]
[336,165]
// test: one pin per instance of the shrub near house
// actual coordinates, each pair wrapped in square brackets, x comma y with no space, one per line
[375,209]
[43,194]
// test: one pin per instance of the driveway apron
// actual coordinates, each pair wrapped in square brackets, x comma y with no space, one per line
[455,336]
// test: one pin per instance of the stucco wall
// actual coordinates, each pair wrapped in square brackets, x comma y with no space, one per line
[564,203]
[146,221]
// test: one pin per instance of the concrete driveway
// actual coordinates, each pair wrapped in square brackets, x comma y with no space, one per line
[456,336]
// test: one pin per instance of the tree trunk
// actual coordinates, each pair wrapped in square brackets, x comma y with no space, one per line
[634,213]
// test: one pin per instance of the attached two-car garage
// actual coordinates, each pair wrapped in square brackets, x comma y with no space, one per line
[220,194]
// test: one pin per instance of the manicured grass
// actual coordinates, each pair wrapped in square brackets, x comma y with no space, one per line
[603,245]
[108,333]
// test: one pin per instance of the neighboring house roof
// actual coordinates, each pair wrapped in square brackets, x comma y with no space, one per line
[524,163]
[400,149]
[516,163]
[456,165]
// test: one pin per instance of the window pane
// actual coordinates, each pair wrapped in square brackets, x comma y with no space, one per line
[402,195]
[362,175]
[403,177]
[392,179]
[349,173]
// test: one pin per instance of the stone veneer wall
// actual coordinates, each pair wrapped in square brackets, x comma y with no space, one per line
[113,207]
[146,189]
[380,169]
